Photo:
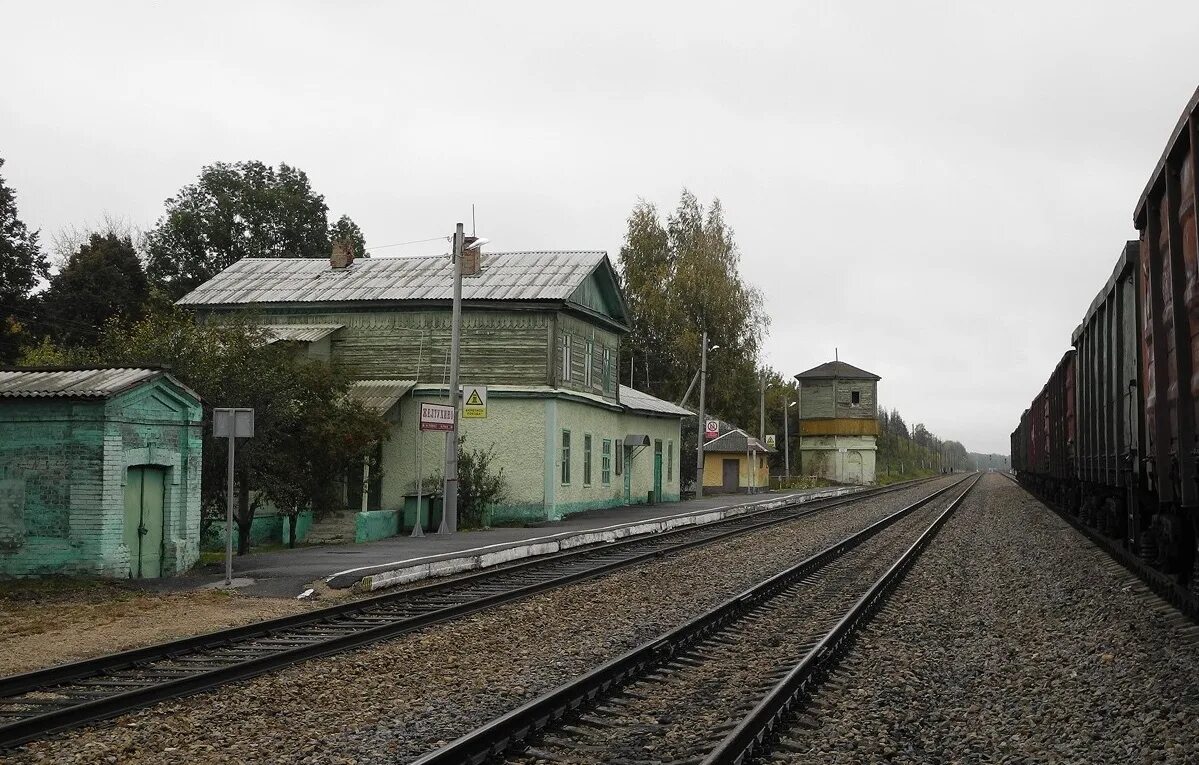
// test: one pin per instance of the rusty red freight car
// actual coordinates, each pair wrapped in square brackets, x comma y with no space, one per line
[1165,218]
[1107,370]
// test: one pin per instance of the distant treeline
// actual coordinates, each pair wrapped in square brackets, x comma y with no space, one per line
[905,452]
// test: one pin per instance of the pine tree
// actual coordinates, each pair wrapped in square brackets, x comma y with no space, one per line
[22,266]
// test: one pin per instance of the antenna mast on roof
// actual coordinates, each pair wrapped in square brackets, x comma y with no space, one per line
[472,218]
[836,355]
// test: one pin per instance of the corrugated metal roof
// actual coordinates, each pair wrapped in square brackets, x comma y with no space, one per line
[300,333]
[737,441]
[837,370]
[380,395]
[504,276]
[643,402]
[72,383]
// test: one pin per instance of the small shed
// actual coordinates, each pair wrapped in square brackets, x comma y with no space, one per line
[734,462]
[99,472]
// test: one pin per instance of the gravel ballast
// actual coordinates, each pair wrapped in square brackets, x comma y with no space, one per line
[1013,639]
[397,700]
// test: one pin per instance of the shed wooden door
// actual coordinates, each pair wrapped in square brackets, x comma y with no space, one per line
[144,493]
[731,475]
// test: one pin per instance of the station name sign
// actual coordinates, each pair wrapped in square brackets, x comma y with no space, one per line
[436,417]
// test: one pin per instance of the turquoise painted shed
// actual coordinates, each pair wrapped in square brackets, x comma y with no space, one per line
[99,472]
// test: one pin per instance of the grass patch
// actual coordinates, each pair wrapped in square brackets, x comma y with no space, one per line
[62,589]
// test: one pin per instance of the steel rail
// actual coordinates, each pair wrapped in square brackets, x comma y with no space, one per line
[502,733]
[93,702]
[753,732]
[1163,584]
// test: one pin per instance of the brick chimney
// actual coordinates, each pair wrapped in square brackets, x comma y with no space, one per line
[343,254]
[472,259]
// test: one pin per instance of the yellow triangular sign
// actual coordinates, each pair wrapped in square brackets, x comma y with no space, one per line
[473,399]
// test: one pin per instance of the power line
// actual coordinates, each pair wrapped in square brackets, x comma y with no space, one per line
[401,244]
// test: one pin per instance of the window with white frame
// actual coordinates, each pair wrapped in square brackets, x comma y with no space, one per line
[607,370]
[586,459]
[589,355]
[606,462]
[566,457]
[565,358]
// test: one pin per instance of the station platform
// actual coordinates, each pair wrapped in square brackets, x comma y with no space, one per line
[403,559]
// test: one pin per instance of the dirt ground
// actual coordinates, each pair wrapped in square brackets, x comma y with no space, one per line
[49,622]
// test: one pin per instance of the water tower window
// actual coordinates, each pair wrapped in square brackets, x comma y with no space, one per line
[855,398]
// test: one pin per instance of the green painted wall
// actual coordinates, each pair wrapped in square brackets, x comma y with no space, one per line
[521,425]
[63,466]
[375,524]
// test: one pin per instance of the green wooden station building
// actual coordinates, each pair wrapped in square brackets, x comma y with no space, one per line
[541,330]
[99,472]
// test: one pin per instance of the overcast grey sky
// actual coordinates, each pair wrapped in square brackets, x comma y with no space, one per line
[938,189]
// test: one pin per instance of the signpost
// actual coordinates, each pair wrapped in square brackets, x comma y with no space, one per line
[771,441]
[437,417]
[231,423]
[474,402]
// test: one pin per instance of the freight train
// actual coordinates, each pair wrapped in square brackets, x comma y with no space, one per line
[1112,435]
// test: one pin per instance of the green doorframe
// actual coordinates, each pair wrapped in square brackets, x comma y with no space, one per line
[145,519]
[657,470]
[628,474]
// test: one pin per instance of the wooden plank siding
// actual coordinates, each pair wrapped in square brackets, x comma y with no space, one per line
[581,333]
[838,427]
[816,399]
[497,347]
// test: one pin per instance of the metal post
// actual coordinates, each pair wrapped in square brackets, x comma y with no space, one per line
[229,514]
[699,432]
[449,512]
[366,483]
[417,531]
[762,410]
[786,439]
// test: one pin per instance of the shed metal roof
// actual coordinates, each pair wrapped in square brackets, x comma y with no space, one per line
[644,402]
[95,383]
[300,333]
[737,441]
[380,395]
[836,370]
[503,276]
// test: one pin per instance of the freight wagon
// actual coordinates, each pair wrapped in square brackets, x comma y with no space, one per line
[1112,436]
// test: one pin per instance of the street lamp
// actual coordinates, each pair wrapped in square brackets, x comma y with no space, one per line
[449,510]
[699,429]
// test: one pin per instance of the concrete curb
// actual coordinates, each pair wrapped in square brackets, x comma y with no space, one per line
[415,569]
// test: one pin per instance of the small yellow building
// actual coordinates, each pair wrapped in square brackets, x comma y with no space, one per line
[735,462]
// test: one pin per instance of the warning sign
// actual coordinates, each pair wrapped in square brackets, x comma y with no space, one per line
[771,441]
[474,402]
[711,429]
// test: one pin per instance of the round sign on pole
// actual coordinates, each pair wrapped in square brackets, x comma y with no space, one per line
[711,429]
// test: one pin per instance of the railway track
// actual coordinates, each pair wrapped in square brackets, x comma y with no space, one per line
[1164,585]
[37,703]
[713,689]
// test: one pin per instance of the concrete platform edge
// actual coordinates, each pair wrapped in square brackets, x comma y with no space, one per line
[448,564]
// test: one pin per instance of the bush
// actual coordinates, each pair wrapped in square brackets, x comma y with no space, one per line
[478,487]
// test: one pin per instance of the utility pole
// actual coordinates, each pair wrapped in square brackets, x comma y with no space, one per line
[762,410]
[449,514]
[699,430]
[786,438]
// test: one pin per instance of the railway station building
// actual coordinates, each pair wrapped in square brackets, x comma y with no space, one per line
[99,472]
[540,330]
[838,422]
